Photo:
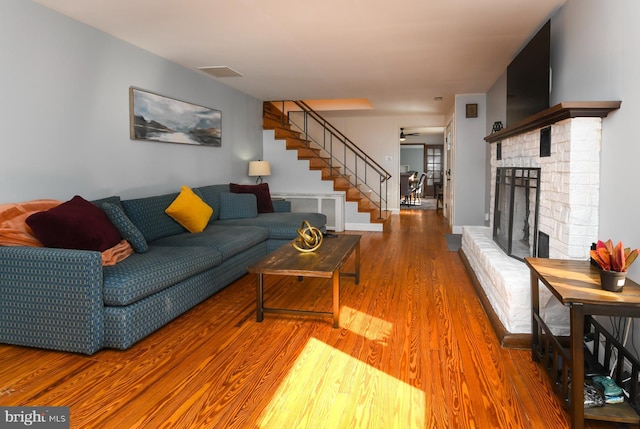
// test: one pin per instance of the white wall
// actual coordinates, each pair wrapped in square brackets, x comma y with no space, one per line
[288,173]
[379,136]
[496,111]
[64,114]
[496,102]
[413,156]
[596,57]
[469,164]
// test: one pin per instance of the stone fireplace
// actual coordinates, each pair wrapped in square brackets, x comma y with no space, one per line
[569,182]
[560,147]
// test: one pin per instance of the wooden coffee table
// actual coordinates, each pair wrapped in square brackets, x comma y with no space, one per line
[325,262]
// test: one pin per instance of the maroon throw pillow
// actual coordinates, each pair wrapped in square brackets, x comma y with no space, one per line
[261,191]
[75,224]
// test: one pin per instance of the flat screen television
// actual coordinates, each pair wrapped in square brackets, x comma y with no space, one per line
[528,78]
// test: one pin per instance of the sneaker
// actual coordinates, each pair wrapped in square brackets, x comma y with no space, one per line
[614,399]
[608,386]
[592,396]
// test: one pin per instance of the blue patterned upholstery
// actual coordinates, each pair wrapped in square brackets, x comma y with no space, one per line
[141,275]
[51,298]
[229,240]
[281,206]
[125,227]
[149,216]
[66,300]
[126,325]
[211,195]
[111,200]
[281,226]
[238,206]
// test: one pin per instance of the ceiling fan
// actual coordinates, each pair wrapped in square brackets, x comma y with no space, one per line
[403,136]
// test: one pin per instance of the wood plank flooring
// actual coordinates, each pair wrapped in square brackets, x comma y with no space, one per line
[414,350]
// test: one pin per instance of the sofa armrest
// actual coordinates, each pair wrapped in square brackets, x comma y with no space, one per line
[51,298]
[280,206]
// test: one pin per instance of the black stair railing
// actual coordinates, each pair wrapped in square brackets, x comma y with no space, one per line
[362,172]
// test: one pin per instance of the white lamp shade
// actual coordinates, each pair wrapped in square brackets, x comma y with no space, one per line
[259,168]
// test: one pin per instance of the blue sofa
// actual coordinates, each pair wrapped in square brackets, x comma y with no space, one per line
[66,300]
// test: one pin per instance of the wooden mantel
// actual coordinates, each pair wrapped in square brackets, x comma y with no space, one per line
[559,112]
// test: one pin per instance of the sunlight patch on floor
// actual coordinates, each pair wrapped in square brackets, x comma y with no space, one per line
[365,325]
[330,389]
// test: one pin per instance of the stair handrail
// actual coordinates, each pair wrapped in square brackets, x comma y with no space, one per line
[359,154]
[384,174]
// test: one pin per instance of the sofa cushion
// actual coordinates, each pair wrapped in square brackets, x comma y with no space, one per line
[210,194]
[75,224]
[229,240]
[237,206]
[261,191]
[190,211]
[141,275]
[127,229]
[148,215]
[280,225]
[281,206]
[114,199]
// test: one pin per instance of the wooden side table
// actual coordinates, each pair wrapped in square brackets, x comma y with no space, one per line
[576,284]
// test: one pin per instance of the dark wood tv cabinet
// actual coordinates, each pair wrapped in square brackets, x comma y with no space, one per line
[576,284]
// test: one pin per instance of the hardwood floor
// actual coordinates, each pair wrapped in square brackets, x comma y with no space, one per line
[414,350]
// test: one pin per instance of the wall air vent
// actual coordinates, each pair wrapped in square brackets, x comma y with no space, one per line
[220,71]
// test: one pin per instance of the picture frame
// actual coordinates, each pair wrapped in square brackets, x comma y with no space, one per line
[472,110]
[155,117]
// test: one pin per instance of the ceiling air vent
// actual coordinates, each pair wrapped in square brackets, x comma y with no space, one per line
[220,71]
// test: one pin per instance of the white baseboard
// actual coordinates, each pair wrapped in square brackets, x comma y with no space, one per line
[375,227]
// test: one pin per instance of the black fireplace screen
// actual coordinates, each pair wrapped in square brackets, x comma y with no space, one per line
[515,215]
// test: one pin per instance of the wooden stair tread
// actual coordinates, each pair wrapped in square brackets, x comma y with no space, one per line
[273,123]
[285,133]
[269,107]
[293,143]
[308,152]
[274,119]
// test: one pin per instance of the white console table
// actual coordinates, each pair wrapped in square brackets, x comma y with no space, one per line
[331,205]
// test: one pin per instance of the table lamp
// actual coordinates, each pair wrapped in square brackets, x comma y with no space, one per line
[259,168]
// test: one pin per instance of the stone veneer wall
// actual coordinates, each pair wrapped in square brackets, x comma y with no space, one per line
[569,185]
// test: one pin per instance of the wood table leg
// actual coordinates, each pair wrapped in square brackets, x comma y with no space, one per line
[336,298]
[259,298]
[358,262]
[576,409]
[535,311]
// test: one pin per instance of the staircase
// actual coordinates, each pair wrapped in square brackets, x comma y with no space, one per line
[363,181]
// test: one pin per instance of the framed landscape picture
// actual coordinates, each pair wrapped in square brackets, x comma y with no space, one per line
[158,118]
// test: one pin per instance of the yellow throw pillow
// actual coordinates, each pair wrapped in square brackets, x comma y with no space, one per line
[190,211]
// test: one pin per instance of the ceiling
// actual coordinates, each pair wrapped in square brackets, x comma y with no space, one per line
[401,55]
